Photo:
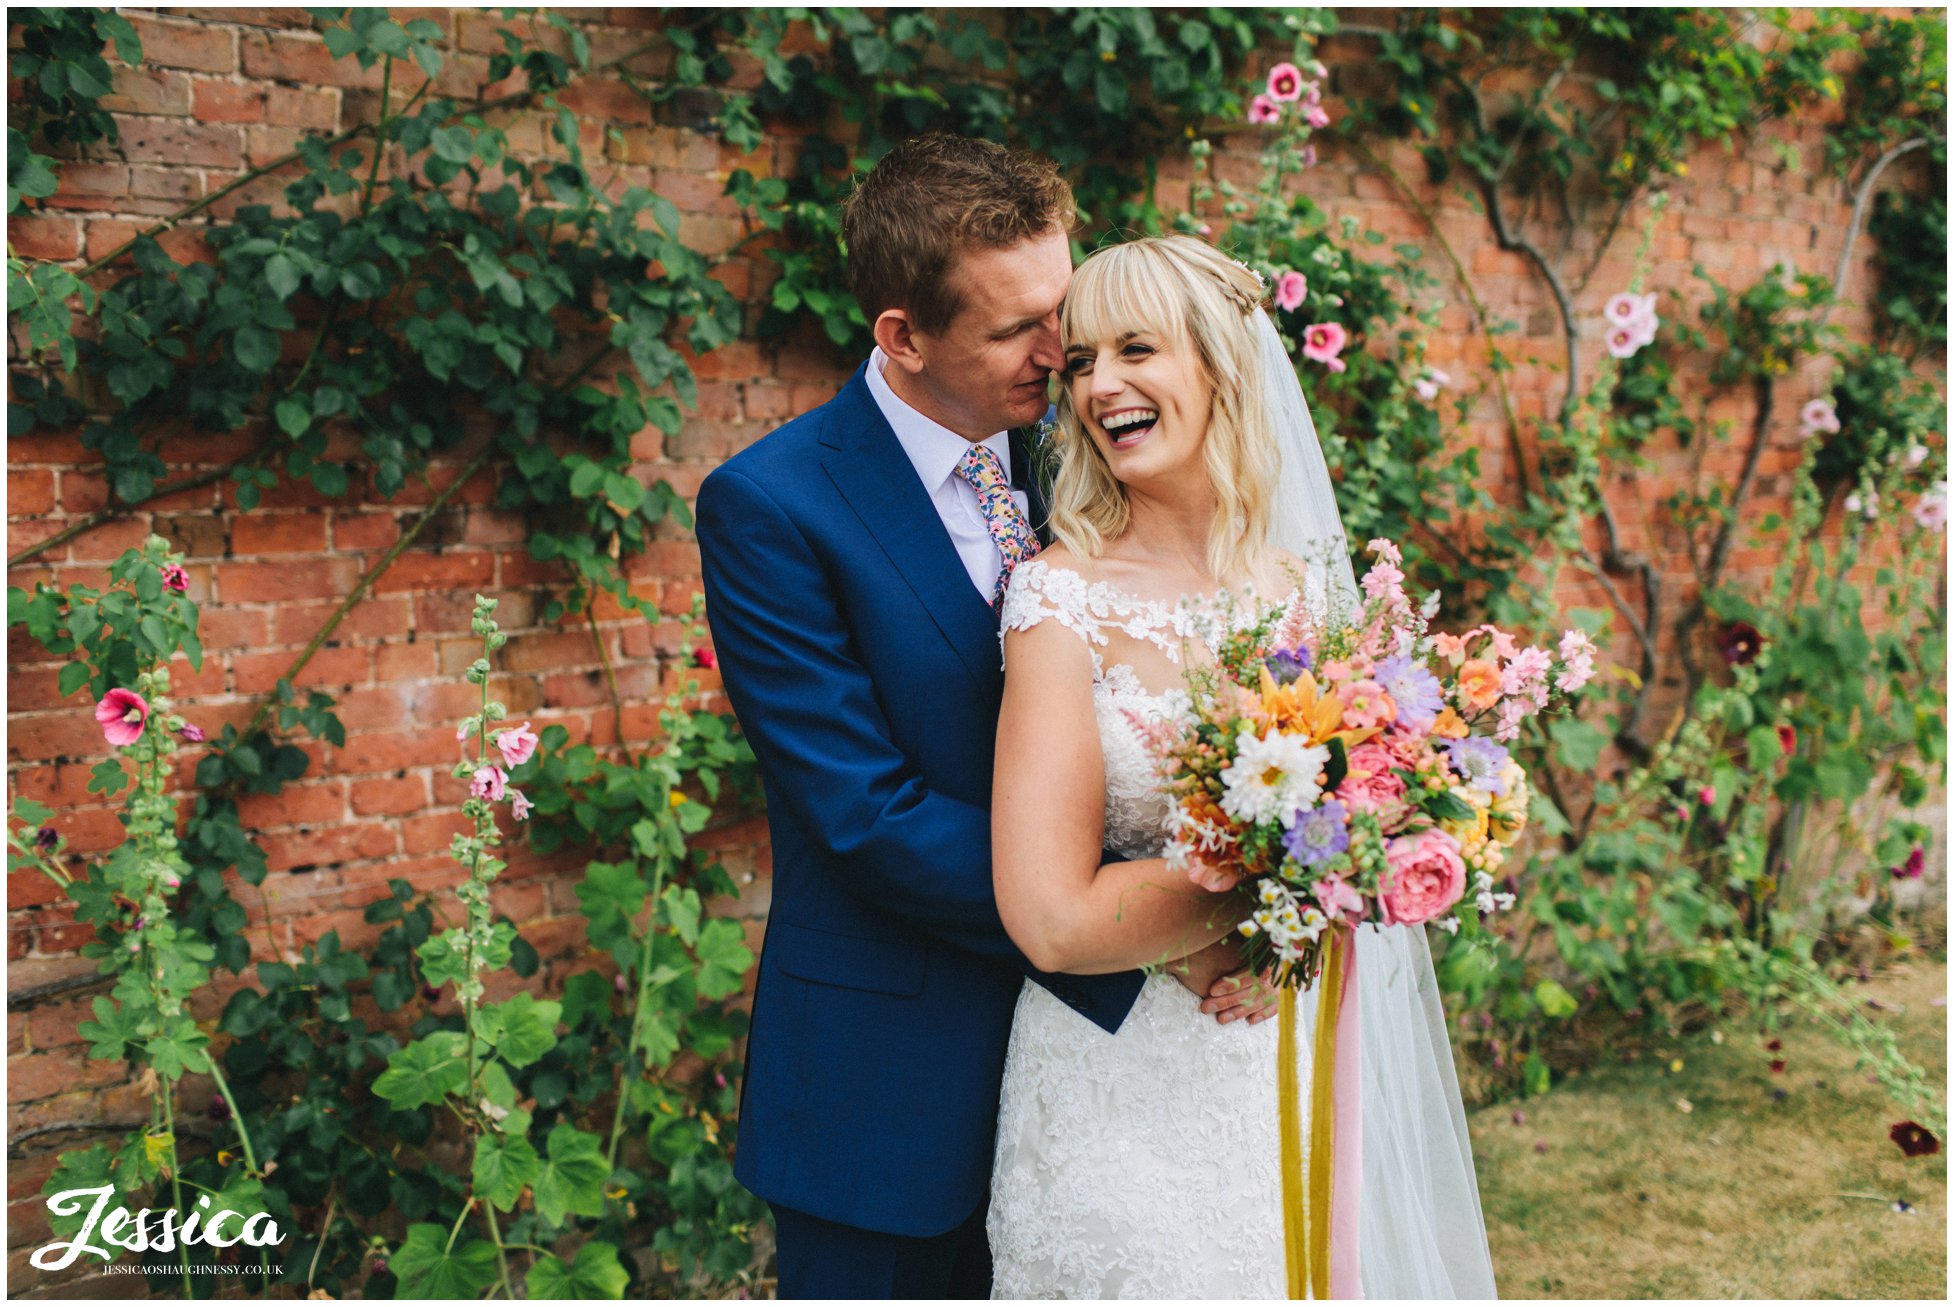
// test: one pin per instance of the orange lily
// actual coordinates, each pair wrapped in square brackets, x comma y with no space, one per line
[1300,708]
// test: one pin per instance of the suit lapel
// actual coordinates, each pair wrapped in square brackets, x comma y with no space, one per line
[868,466]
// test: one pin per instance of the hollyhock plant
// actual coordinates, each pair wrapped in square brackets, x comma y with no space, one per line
[1931,511]
[1291,289]
[122,714]
[489,782]
[1262,109]
[1285,83]
[1818,416]
[1914,1139]
[1322,342]
[516,745]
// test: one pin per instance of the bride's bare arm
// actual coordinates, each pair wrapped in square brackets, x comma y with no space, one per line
[1061,907]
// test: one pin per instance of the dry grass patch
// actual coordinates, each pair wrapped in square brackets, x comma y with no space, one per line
[1609,1189]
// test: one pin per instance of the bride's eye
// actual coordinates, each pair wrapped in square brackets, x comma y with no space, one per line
[1137,350]
[1078,365]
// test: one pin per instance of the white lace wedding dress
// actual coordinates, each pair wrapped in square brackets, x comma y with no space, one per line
[1144,1164]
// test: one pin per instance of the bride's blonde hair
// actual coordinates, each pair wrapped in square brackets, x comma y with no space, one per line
[1198,298]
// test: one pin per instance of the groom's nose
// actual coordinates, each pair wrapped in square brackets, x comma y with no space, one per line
[1045,351]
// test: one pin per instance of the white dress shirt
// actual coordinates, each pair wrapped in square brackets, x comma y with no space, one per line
[935,450]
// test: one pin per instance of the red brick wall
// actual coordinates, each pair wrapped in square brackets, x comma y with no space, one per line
[224,89]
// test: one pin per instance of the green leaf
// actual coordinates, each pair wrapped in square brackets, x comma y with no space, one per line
[282,275]
[505,1165]
[1554,1000]
[596,1273]
[520,1030]
[572,1179]
[586,995]
[426,1071]
[723,958]
[1538,1078]
[294,415]
[428,1268]
[1580,744]
[256,348]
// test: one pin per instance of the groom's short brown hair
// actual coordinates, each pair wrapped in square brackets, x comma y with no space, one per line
[931,197]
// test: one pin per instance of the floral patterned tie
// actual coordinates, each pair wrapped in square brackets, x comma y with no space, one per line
[1002,518]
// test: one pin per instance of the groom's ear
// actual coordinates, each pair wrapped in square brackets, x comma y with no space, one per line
[896,334]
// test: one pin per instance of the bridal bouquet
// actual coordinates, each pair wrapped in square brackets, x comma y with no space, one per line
[1356,768]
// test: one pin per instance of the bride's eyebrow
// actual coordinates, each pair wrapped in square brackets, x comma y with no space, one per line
[1079,347]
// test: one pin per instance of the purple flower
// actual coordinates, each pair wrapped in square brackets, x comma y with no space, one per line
[1288,664]
[191,732]
[1412,687]
[1740,643]
[1479,761]
[1318,834]
[45,839]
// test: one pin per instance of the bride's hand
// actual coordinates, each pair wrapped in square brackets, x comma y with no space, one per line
[1228,990]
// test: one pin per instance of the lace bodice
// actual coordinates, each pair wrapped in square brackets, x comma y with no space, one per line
[1136,808]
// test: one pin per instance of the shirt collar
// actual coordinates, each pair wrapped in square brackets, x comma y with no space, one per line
[934,450]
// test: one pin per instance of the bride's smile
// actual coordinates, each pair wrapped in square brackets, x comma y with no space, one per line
[1145,403]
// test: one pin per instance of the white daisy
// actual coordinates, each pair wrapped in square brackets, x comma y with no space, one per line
[1272,777]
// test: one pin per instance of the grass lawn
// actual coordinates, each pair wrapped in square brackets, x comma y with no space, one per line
[1606,1188]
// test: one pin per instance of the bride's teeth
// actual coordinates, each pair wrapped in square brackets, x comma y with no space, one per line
[1123,423]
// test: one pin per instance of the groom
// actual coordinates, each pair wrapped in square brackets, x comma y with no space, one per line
[851,560]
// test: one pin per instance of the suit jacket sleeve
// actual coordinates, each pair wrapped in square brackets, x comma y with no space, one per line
[810,712]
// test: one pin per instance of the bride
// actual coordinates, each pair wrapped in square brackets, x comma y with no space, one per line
[1144,1164]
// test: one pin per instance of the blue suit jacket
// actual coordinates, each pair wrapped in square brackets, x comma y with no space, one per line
[864,668]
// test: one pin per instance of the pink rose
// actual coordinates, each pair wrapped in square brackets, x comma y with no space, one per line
[516,745]
[1423,877]
[1370,783]
[122,714]
[489,783]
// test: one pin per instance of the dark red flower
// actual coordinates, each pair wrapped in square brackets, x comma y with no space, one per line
[1787,738]
[1914,1139]
[1740,643]
[1915,864]
[45,839]
[704,658]
[1775,1045]
[1777,1066]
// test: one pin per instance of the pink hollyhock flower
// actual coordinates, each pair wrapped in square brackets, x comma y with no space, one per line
[520,805]
[1285,83]
[175,577]
[1931,511]
[516,745]
[1339,899]
[1623,310]
[1624,341]
[1316,116]
[1816,416]
[1370,784]
[1322,342]
[191,732]
[1316,68]
[1291,289]
[1913,867]
[1365,704]
[462,732]
[1707,795]
[1263,110]
[1866,506]
[490,782]
[1307,156]
[1424,877]
[122,714]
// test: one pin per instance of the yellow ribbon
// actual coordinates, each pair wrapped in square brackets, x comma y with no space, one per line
[1306,1214]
